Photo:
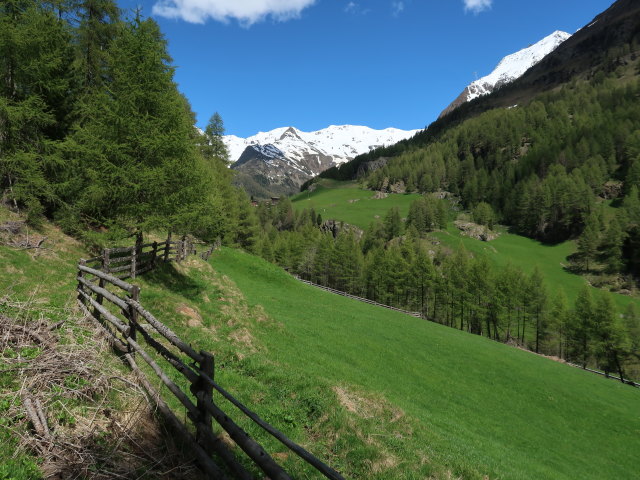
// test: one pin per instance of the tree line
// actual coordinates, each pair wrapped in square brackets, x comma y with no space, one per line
[394,263]
[94,132]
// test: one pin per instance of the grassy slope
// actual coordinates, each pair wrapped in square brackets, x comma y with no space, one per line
[526,253]
[335,200]
[475,406]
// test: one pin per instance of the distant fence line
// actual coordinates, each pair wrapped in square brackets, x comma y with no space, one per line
[607,375]
[360,299]
[115,305]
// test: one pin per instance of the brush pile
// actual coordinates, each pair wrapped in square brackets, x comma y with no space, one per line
[75,407]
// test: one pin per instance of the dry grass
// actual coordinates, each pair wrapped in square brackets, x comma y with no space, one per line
[75,407]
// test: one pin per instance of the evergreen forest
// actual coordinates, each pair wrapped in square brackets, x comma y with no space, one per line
[94,132]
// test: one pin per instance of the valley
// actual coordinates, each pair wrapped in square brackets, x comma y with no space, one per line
[503,238]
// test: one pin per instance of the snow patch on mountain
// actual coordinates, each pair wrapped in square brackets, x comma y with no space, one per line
[509,69]
[514,65]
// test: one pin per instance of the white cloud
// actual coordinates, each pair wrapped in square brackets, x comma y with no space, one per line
[397,7]
[247,12]
[477,6]
[356,9]
[352,7]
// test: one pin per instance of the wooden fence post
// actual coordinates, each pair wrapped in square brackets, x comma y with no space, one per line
[133,318]
[105,260]
[83,262]
[203,427]
[183,248]
[134,255]
[96,312]
[166,248]
[154,255]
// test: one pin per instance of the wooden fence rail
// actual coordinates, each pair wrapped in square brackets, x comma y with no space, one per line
[114,304]
[127,262]
[360,299]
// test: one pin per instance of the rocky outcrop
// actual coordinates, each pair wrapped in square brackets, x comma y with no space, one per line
[368,167]
[473,230]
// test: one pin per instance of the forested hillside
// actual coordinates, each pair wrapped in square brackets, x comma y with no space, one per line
[94,132]
[564,164]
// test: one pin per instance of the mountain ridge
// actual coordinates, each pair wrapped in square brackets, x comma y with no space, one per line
[510,68]
[279,161]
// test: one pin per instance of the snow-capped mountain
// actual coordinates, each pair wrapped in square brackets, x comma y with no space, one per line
[342,142]
[283,159]
[510,68]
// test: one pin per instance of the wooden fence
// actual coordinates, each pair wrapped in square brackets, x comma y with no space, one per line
[127,262]
[607,375]
[360,299]
[115,304]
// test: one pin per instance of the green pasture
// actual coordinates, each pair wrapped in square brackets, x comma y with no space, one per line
[336,199]
[473,407]
[347,202]
[527,254]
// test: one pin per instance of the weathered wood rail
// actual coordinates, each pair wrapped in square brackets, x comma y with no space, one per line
[360,299]
[115,304]
[605,374]
[127,262]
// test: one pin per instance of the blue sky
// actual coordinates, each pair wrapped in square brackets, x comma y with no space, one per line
[264,64]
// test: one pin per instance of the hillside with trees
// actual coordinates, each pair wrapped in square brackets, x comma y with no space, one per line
[95,133]
[98,147]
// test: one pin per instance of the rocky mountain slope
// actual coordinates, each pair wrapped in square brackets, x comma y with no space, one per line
[279,161]
[509,69]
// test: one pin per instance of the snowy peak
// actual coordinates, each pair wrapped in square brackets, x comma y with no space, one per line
[284,158]
[509,69]
[514,65]
[291,134]
[341,142]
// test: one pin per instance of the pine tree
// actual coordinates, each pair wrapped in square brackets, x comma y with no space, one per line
[589,241]
[538,305]
[97,29]
[610,338]
[393,223]
[135,155]
[214,145]
[34,83]
[612,244]
[580,328]
[559,316]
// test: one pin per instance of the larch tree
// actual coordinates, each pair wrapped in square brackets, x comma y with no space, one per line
[34,56]
[136,152]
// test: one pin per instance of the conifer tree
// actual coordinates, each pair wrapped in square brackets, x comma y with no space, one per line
[34,53]
[580,328]
[589,241]
[135,154]
[611,246]
[97,29]
[610,338]
[393,223]
[214,142]
[559,316]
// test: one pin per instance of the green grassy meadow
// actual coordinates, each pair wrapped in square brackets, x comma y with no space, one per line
[347,202]
[375,393]
[473,407]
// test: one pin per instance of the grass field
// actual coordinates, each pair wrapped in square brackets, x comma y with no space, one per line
[527,254]
[375,393]
[472,406]
[348,202]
